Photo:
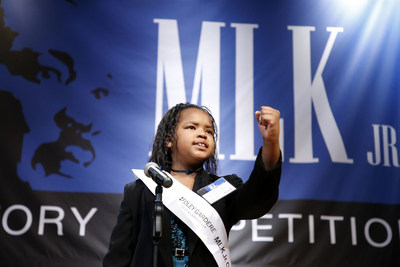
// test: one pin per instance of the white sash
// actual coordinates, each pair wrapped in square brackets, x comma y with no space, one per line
[197,214]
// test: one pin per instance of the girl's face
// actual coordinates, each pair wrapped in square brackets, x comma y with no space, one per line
[194,142]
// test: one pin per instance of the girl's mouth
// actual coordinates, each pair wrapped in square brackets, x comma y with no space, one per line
[200,144]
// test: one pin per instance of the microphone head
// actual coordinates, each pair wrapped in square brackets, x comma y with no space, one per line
[148,166]
[168,182]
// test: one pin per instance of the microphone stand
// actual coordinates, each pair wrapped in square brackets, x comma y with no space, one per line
[157,222]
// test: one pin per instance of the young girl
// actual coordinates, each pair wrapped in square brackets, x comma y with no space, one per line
[185,146]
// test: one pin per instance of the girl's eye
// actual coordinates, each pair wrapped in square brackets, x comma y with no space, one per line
[191,127]
[210,132]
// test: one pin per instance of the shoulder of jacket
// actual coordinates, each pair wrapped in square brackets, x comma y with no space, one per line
[134,186]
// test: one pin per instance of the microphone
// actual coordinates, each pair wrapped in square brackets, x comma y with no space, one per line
[159,176]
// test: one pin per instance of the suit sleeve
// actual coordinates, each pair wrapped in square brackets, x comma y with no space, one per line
[123,238]
[258,194]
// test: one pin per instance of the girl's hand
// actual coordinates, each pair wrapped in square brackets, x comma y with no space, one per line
[268,124]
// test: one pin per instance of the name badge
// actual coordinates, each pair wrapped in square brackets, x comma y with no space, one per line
[217,190]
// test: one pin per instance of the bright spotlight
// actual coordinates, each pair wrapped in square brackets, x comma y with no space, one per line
[352,7]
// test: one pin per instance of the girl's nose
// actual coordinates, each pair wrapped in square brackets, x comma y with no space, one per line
[202,135]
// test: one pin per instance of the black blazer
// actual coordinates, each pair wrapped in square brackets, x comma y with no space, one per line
[131,241]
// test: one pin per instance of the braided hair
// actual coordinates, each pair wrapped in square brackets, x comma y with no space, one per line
[161,154]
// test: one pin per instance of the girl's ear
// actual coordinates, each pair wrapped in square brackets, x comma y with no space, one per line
[168,141]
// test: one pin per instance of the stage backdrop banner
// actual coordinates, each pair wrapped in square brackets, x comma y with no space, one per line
[83,85]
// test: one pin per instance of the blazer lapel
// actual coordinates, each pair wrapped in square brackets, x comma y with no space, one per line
[165,241]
